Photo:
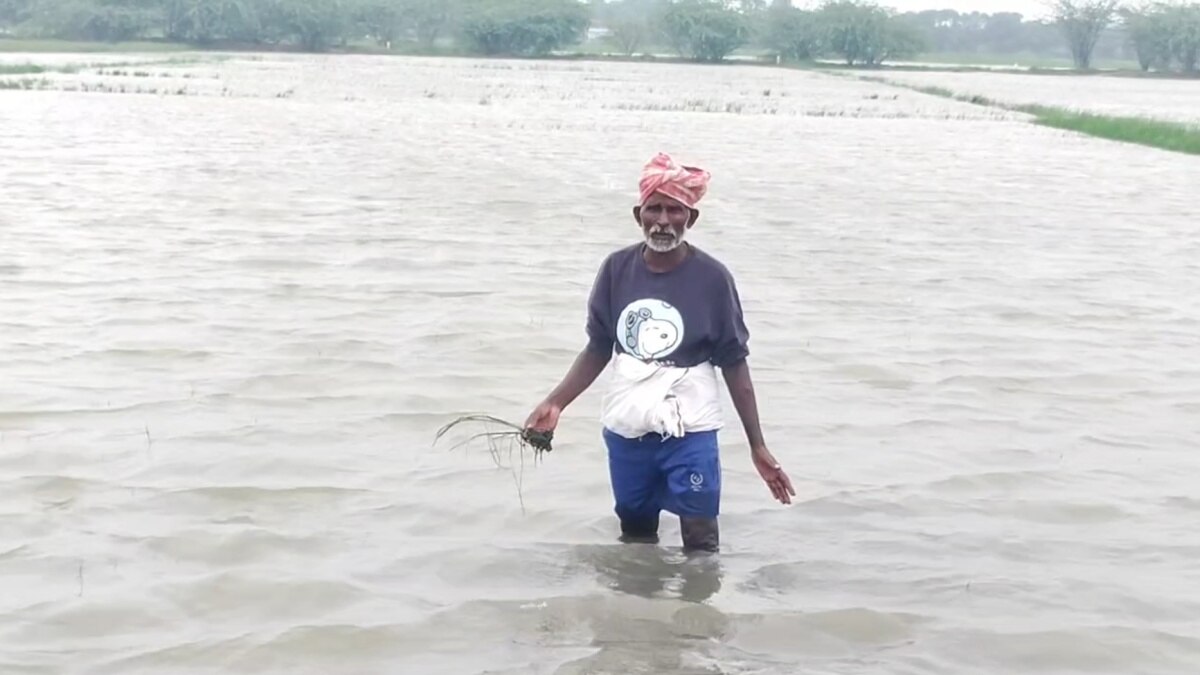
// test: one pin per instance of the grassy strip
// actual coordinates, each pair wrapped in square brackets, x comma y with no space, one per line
[1130,73]
[21,69]
[1173,136]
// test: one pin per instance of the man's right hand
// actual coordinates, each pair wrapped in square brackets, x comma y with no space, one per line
[544,417]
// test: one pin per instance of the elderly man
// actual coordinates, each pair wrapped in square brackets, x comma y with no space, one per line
[672,315]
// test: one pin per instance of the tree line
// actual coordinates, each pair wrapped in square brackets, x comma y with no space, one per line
[1161,35]
[1165,36]
[855,31]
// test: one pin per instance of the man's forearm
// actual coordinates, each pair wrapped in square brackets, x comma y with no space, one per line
[584,371]
[741,390]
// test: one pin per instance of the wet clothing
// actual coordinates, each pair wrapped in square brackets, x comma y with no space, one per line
[685,317]
[670,331]
[647,398]
[652,474]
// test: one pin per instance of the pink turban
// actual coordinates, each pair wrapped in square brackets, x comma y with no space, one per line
[684,183]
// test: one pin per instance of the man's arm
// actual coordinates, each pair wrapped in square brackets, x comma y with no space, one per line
[741,390]
[590,362]
[583,372]
[730,353]
[730,356]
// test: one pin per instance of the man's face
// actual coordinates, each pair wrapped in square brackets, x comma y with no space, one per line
[664,222]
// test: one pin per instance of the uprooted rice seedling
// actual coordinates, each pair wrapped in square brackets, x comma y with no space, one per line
[508,438]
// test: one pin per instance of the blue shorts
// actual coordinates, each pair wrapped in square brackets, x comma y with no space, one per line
[652,474]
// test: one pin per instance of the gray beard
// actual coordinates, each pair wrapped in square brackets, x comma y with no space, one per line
[664,247]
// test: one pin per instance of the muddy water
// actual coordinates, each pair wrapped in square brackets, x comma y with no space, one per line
[232,319]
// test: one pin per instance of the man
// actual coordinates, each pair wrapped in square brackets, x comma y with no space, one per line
[672,314]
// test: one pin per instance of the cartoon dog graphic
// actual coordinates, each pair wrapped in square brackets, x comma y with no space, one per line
[648,336]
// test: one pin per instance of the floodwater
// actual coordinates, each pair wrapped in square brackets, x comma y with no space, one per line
[1165,99]
[232,320]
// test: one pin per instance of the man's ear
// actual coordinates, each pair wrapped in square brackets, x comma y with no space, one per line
[637,215]
[694,217]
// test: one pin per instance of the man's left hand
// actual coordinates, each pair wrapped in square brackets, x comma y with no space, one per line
[773,474]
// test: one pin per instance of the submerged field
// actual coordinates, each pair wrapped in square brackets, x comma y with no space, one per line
[512,85]
[241,295]
[1171,100]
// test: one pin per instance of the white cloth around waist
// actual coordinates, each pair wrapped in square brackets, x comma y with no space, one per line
[646,397]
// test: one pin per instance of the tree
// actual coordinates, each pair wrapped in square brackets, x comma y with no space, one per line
[1081,23]
[902,41]
[628,24]
[1163,34]
[14,12]
[862,32]
[99,20]
[381,20]
[793,34]
[705,30]
[206,21]
[523,27]
[1184,39]
[429,19]
[317,25]
[1149,35]
[1002,32]
[628,34]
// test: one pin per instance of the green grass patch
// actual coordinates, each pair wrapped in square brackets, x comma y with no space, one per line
[1162,134]
[21,69]
[1173,136]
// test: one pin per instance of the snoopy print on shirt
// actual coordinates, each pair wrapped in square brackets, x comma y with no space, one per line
[684,317]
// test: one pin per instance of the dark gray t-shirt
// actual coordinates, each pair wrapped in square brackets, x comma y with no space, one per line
[684,317]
